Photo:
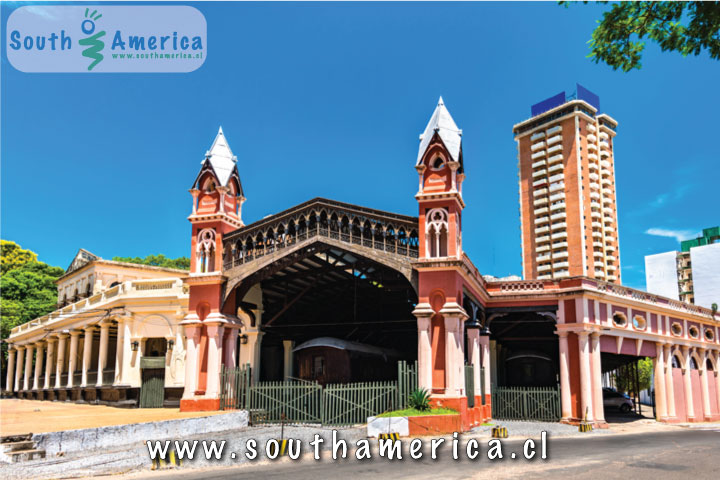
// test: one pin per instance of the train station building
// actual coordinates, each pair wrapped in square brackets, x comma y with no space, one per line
[331,292]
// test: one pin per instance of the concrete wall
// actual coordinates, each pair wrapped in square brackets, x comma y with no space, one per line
[661,274]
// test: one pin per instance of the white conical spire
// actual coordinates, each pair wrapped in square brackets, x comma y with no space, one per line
[441,122]
[221,158]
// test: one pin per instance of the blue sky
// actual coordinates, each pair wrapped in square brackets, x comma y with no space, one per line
[328,100]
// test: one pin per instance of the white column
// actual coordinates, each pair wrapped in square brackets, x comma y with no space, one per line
[19,369]
[288,346]
[214,333]
[39,356]
[689,408]
[253,353]
[669,382]
[29,350]
[192,334]
[423,312]
[120,350]
[10,379]
[72,361]
[128,356]
[565,402]
[60,359]
[485,349]
[473,342]
[717,379]
[704,386]
[586,403]
[596,369]
[49,362]
[659,374]
[87,354]
[102,354]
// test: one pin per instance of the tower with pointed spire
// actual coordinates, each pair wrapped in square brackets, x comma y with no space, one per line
[216,210]
[440,169]
[440,263]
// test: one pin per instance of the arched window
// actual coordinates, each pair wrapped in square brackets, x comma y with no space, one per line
[205,250]
[209,185]
[438,163]
[676,363]
[693,363]
[436,232]
[709,365]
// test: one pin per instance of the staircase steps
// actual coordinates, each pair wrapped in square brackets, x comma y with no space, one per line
[19,448]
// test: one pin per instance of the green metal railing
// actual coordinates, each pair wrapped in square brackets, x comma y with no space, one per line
[526,403]
[302,401]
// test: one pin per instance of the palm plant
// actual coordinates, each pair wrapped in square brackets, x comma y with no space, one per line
[419,399]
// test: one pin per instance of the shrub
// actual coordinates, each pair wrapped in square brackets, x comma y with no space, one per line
[419,399]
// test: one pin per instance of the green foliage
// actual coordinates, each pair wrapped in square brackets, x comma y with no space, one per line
[181,263]
[419,399]
[626,382]
[27,288]
[688,28]
[413,412]
[13,256]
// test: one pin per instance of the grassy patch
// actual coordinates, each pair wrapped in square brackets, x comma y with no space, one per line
[411,412]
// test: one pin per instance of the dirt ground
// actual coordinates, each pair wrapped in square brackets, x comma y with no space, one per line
[33,416]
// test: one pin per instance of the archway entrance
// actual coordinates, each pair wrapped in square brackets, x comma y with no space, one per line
[332,315]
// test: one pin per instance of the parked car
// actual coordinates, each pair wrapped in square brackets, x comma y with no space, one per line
[614,399]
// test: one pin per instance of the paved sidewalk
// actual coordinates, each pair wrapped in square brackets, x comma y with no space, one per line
[33,416]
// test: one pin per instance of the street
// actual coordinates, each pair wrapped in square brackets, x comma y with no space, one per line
[690,453]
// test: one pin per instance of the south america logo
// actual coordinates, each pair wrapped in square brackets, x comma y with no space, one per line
[93,42]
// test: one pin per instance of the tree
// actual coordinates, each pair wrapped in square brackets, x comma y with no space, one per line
[625,379]
[685,27]
[13,256]
[181,263]
[27,288]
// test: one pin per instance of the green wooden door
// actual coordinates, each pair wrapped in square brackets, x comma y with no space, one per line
[152,390]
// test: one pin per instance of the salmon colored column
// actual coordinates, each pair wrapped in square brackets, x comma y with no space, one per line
[586,403]
[707,414]
[669,386]
[485,345]
[688,384]
[215,334]
[565,402]
[596,369]
[423,312]
[660,393]
[717,379]
[454,315]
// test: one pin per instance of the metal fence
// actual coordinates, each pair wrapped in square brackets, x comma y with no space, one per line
[306,402]
[526,403]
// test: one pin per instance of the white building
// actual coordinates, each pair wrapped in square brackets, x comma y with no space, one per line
[690,276]
[115,337]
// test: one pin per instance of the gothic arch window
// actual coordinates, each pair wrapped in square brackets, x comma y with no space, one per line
[205,250]
[676,363]
[436,232]
[438,163]
[209,185]
[693,363]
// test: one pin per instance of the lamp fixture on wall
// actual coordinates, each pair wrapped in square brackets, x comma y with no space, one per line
[243,339]
[171,344]
[134,346]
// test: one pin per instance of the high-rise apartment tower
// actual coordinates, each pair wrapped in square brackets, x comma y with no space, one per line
[568,205]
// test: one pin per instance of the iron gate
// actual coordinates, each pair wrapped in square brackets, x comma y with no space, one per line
[526,403]
[302,401]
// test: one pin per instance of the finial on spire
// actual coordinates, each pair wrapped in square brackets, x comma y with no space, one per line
[440,101]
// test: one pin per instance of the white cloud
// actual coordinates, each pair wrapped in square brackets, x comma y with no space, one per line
[678,235]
